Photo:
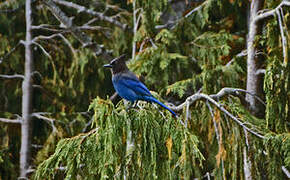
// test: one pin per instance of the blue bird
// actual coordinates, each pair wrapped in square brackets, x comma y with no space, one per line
[128,86]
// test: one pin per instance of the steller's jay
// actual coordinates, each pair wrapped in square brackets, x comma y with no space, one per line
[128,86]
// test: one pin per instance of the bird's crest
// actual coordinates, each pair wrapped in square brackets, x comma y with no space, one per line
[118,59]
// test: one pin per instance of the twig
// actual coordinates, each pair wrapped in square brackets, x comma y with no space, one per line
[12,76]
[114,96]
[156,107]
[142,44]
[87,125]
[153,44]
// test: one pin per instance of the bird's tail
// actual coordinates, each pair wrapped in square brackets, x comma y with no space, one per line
[152,99]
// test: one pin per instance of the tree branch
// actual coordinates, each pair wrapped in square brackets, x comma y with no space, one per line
[218,136]
[262,15]
[48,27]
[99,15]
[285,171]
[172,24]
[223,92]
[234,92]
[15,121]
[241,54]
[42,48]
[12,76]
[210,98]
[279,13]
[82,37]
[51,37]
[51,121]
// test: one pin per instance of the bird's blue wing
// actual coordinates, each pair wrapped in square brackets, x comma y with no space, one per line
[134,84]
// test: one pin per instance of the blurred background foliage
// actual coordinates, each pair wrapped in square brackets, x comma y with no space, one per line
[191,53]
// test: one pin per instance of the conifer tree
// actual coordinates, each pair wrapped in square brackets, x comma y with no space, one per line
[221,65]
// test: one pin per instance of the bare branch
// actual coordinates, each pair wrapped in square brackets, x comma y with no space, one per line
[43,50]
[51,121]
[88,124]
[41,37]
[234,92]
[99,15]
[241,54]
[284,42]
[285,171]
[15,121]
[37,86]
[15,76]
[37,73]
[218,136]
[210,98]
[82,37]
[92,28]
[47,27]
[187,114]
[272,12]
[260,71]
[114,96]
[135,27]
[196,9]
[36,146]
[51,37]
[172,24]
[68,44]
[153,44]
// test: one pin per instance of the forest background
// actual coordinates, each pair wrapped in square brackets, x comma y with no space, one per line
[222,65]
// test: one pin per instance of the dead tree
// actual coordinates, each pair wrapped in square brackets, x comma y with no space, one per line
[27,88]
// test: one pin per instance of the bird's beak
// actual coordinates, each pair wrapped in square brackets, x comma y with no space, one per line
[108,66]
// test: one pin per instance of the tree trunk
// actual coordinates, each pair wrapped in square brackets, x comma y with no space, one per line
[254,79]
[26,128]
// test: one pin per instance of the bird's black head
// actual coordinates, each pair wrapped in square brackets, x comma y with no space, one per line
[118,64]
